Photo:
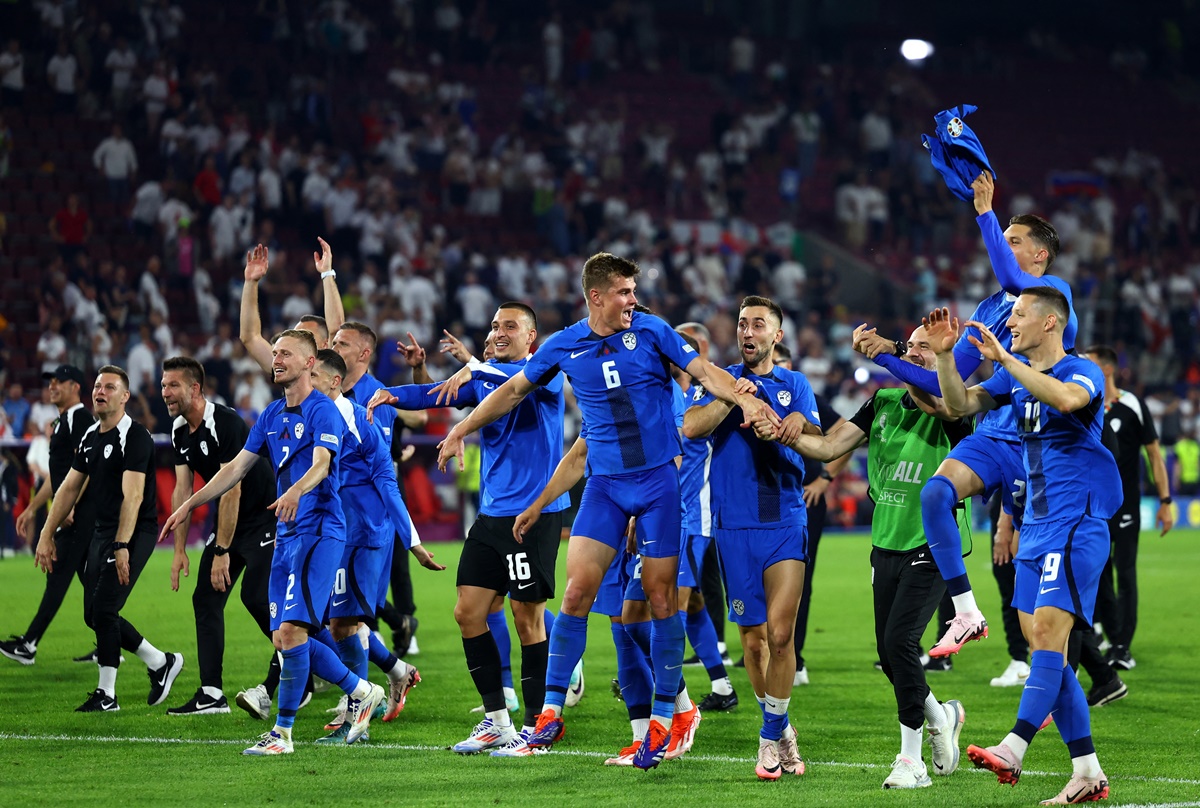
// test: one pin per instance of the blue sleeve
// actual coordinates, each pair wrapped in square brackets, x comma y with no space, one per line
[383,475]
[999,386]
[1013,279]
[327,426]
[927,380]
[679,404]
[669,343]
[419,397]
[257,436]
[543,365]
[1087,375]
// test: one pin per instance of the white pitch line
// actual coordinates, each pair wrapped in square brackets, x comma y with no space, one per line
[11,736]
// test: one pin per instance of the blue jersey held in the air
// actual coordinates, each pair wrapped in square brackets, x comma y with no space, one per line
[694,487]
[371,499]
[290,435]
[519,450]
[623,385]
[1068,470]
[757,483]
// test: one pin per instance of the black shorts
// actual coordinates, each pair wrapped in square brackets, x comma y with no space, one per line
[492,558]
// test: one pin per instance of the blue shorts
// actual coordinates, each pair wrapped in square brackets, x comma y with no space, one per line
[611,594]
[356,584]
[691,559]
[633,571]
[745,556]
[302,573]
[652,496]
[1000,465]
[1066,578]
[385,575]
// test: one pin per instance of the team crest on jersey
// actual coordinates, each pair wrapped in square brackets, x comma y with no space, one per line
[630,340]
[274,610]
[699,394]
[784,397]
[299,431]
[955,127]
[204,447]
[107,450]
[738,608]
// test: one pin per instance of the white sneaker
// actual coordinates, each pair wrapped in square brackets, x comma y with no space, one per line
[769,766]
[789,752]
[944,740]
[486,735]
[255,701]
[359,712]
[518,748]
[272,743]
[413,649]
[575,689]
[907,773]
[801,677]
[1015,674]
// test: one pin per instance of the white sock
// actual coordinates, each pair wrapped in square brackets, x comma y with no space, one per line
[284,732]
[557,709]
[500,718]
[663,721]
[721,649]
[722,686]
[362,690]
[108,681]
[212,692]
[527,729]
[683,702]
[1017,744]
[510,694]
[910,743]
[964,602]
[398,671]
[153,657]
[1086,765]
[640,727]
[364,635]
[935,713]
[776,706]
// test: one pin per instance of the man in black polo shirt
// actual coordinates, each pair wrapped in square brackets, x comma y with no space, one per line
[116,461]
[71,540]
[205,437]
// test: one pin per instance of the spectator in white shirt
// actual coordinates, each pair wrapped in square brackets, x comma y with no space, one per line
[155,90]
[121,63]
[742,53]
[170,214]
[147,202]
[52,346]
[552,42]
[12,75]
[150,288]
[476,302]
[875,130]
[270,188]
[118,163]
[42,413]
[62,71]
[142,366]
[297,304]
[243,179]
[222,229]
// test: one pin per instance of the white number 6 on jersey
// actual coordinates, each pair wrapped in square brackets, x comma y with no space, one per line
[611,377]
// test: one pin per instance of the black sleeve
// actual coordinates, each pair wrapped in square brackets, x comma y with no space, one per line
[81,421]
[865,417]
[231,433]
[139,451]
[80,461]
[828,415]
[1149,433]
[177,456]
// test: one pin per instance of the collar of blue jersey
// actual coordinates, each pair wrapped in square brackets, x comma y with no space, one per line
[743,374]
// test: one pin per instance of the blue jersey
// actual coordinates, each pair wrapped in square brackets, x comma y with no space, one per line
[370,495]
[385,417]
[694,487]
[290,435]
[520,450]
[1068,470]
[623,385]
[757,483]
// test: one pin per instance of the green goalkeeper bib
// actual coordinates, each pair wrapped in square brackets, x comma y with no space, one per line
[905,448]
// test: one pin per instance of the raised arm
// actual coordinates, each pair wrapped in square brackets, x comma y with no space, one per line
[960,402]
[251,324]
[335,314]
[502,401]
[1062,396]
[1013,279]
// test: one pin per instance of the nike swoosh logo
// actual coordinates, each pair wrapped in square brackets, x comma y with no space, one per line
[289,606]
[652,541]
[915,563]
[557,654]
[265,543]
[579,354]
[1126,521]
[525,586]
[1048,591]
[963,636]
[336,602]
[272,433]
[1072,798]
[112,561]
[674,667]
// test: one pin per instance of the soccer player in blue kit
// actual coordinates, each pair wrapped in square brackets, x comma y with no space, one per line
[617,362]
[1073,488]
[990,458]
[304,432]
[761,523]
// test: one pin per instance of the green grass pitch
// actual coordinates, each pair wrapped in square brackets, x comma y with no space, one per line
[1149,743]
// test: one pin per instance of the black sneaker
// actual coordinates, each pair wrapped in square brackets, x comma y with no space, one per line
[938,664]
[1100,695]
[90,656]
[162,679]
[98,702]
[1119,657]
[202,704]
[16,648]
[714,701]
[877,665]
[741,663]
[693,661]
[402,636]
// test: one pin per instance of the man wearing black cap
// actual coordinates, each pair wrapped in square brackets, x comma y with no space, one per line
[71,540]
